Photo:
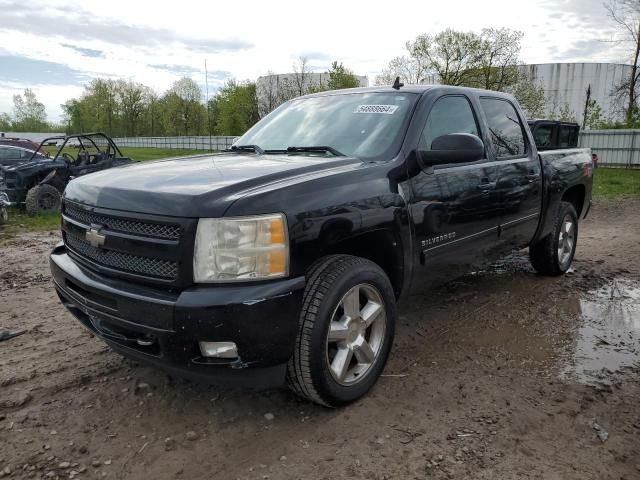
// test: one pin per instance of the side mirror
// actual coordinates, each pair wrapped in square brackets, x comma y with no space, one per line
[452,148]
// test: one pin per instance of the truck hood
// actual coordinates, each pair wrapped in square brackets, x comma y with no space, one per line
[199,186]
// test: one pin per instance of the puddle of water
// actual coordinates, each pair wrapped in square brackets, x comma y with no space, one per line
[608,339]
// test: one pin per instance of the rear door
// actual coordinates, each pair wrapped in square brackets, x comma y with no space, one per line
[519,185]
[453,206]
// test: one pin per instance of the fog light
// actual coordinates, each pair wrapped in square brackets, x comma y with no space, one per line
[219,349]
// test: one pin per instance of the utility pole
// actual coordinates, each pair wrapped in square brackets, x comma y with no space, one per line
[206,83]
[586,108]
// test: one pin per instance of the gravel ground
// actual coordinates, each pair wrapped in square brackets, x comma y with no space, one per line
[501,374]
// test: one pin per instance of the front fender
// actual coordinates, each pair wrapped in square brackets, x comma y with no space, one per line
[54,179]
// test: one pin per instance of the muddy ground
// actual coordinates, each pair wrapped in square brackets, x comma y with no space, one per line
[502,374]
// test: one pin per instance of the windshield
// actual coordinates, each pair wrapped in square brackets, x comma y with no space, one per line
[364,125]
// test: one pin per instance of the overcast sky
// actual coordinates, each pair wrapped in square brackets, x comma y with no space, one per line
[54,47]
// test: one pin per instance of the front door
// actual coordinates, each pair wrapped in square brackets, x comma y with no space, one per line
[453,206]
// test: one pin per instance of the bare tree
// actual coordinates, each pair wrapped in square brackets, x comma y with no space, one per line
[301,75]
[269,96]
[626,14]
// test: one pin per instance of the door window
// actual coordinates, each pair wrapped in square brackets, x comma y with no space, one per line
[505,128]
[450,114]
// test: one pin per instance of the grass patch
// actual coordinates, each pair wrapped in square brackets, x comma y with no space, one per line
[616,182]
[19,221]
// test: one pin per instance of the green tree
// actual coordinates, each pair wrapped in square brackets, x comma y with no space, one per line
[341,77]
[5,122]
[29,114]
[594,118]
[132,98]
[237,108]
[530,95]
[184,113]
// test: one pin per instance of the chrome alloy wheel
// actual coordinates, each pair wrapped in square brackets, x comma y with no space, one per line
[566,240]
[356,334]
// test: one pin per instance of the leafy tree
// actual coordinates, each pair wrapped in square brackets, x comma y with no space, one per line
[530,95]
[237,108]
[341,77]
[410,68]
[29,113]
[455,57]
[563,113]
[5,122]
[184,113]
[594,119]
[133,98]
[487,60]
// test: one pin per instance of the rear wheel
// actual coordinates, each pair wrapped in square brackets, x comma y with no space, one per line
[346,331]
[553,254]
[43,198]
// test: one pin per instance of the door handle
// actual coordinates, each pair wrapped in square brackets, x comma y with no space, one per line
[486,186]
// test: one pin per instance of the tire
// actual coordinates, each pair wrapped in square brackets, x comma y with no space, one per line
[333,285]
[43,198]
[4,216]
[545,255]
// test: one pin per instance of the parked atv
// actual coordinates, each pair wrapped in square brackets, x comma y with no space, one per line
[38,183]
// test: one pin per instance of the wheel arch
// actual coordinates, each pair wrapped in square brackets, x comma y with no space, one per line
[575,195]
[383,248]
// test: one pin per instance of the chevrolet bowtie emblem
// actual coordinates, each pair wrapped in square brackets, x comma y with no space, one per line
[95,238]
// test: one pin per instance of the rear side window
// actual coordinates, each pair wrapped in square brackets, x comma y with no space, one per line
[568,136]
[507,134]
[543,135]
[451,114]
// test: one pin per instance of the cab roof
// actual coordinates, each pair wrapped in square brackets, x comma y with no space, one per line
[415,89]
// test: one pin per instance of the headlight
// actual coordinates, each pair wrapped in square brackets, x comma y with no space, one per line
[241,249]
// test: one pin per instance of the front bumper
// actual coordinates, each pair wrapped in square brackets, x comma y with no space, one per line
[163,328]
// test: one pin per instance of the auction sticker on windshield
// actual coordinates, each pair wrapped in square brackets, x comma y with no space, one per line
[386,109]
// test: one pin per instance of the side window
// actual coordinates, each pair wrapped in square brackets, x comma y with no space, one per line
[505,128]
[4,152]
[568,136]
[450,114]
[543,135]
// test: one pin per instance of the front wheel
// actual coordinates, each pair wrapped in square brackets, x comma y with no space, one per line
[4,216]
[553,254]
[345,333]
[42,199]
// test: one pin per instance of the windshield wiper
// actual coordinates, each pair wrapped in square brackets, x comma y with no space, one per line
[322,148]
[247,148]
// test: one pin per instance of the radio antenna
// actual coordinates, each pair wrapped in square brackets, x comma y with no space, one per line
[397,84]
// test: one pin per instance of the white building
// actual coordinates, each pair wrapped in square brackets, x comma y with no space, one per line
[568,83]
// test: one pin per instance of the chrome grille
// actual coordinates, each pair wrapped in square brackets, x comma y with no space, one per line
[147,229]
[159,268]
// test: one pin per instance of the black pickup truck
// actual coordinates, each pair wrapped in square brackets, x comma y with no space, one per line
[283,259]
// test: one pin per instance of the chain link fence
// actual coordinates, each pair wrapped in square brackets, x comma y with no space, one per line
[615,148]
[194,143]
